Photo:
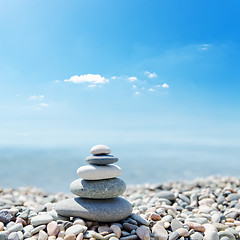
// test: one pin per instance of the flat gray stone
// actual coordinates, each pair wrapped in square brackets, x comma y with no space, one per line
[98,189]
[107,210]
[101,159]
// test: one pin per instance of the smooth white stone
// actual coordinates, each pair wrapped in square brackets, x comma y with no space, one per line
[96,172]
[100,149]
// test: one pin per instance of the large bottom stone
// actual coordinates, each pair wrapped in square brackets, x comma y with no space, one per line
[98,189]
[107,210]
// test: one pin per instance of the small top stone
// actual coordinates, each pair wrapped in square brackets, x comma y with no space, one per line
[100,150]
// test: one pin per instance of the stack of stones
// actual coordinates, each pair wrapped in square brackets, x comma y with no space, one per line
[98,190]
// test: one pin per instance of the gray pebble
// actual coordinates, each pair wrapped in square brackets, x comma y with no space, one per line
[173,235]
[76,229]
[41,219]
[196,236]
[140,219]
[3,235]
[13,236]
[130,237]
[38,229]
[16,227]
[166,194]
[175,224]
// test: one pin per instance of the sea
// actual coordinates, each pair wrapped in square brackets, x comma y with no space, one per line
[54,168]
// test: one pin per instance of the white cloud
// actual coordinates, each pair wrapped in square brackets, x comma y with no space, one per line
[205,46]
[114,77]
[150,75]
[43,104]
[92,85]
[36,97]
[158,86]
[151,90]
[57,81]
[165,85]
[132,79]
[134,86]
[87,78]
[137,93]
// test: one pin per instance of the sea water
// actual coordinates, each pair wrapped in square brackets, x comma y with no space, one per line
[53,169]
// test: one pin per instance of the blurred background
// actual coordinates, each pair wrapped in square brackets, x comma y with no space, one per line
[156,81]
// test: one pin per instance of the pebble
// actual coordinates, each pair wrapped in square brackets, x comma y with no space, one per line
[130,237]
[42,235]
[98,189]
[41,219]
[100,149]
[76,229]
[222,234]
[79,236]
[53,229]
[1,226]
[173,235]
[15,227]
[175,224]
[232,197]
[13,236]
[196,236]
[101,159]
[143,233]
[3,235]
[109,210]
[5,217]
[37,229]
[196,226]
[70,237]
[95,172]
[166,194]
[140,219]
[183,232]
[116,229]
[159,231]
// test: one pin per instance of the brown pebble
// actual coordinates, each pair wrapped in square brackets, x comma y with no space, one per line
[196,226]
[116,229]
[155,217]
[70,237]
[230,220]
[1,226]
[20,220]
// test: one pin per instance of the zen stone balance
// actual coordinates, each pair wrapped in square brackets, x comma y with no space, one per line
[98,190]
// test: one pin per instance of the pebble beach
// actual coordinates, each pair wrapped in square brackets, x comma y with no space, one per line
[206,208]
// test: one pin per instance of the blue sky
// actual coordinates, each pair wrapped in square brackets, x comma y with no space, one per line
[78,73]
